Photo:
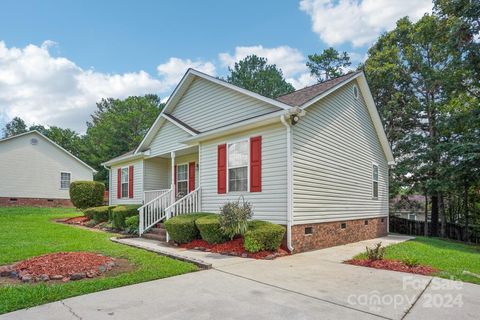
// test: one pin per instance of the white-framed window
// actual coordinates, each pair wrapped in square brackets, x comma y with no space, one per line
[124,180]
[182,179]
[65,180]
[238,165]
[412,216]
[375,181]
[355,92]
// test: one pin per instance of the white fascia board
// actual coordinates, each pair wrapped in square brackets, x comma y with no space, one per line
[236,127]
[129,157]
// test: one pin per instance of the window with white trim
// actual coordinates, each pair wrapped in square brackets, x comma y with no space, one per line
[375,181]
[125,182]
[65,180]
[237,165]
[182,179]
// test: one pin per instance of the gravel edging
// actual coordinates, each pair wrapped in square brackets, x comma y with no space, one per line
[199,263]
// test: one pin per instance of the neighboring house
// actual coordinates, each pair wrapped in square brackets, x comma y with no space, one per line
[34,170]
[315,160]
[411,207]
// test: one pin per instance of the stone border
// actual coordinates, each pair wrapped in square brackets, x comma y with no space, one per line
[199,263]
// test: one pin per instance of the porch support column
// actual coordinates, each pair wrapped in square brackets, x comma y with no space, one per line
[172,186]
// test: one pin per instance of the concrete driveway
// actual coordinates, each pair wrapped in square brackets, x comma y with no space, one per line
[313,285]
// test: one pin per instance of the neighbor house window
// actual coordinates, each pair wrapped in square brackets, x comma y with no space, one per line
[238,166]
[65,180]
[375,181]
[125,182]
[182,179]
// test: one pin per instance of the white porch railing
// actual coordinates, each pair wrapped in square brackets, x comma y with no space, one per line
[154,211]
[149,195]
[188,204]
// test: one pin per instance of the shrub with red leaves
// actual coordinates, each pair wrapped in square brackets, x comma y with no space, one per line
[394,265]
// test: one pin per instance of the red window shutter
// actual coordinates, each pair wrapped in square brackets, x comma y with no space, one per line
[130,182]
[256,164]
[119,183]
[175,178]
[191,176]
[222,169]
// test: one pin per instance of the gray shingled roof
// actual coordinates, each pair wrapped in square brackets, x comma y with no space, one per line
[299,97]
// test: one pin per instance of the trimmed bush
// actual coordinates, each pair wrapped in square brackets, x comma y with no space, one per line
[86,194]
[263,235]
[98,214]
[234,218]
[121,213]
[132,224]
[210,229]
[182,228]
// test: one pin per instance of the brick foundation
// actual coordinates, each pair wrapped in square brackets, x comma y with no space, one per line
[329,234]
[34,202]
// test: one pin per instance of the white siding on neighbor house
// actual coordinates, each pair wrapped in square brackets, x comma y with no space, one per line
[269,204]
[137,183]
[156,173]
[207,105]
[334,146]
[33,171]
[168,139]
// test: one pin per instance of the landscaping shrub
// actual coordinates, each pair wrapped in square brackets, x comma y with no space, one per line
[210,230]
[182,228]
[411,262]
[132,224]
[120,213]
[263,235]
[86,194]
[376,253]
[234,218]
[98,214]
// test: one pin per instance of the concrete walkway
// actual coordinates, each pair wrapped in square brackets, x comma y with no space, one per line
[310,285]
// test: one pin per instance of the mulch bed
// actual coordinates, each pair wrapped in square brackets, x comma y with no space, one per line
[233,248]
[64,266]
[77,220]
[394,265]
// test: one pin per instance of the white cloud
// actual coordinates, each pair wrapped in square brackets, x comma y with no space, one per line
[51,90]
[173,70]
[290,60]
[359,22]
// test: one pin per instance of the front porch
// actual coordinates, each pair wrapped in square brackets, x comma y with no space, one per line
[171,187]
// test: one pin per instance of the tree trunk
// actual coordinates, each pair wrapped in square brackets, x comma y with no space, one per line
[425,230]
[443,220]
[434,216]
[466,237]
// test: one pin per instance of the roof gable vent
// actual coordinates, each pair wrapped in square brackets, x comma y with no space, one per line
[34,141]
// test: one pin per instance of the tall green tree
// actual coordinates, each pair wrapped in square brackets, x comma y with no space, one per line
[255,74]
[328,64]
[14,127]
[118,126]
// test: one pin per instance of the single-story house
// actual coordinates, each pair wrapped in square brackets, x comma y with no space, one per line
[36,171]
[315,160]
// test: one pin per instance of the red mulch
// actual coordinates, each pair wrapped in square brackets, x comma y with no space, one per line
[395,265]
[233,247]
[77,220]
[64,264]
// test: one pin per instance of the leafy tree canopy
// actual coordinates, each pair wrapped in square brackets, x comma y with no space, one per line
[329,64]
[255,74]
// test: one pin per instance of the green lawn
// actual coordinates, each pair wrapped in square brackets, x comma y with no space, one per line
[450,258]
[27,232]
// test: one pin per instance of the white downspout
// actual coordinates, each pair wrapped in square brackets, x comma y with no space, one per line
[289,183]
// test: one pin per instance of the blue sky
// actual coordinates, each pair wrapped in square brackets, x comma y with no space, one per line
[58,57]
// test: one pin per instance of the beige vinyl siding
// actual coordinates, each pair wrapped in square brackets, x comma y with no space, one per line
[168,139]
[33,171]
[156,173]
[206,105]
[137,183]
[271,203]
[334,147]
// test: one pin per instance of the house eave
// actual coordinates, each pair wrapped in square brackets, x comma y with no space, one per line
[131,157]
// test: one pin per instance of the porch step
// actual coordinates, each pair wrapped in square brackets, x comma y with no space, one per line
[158,233]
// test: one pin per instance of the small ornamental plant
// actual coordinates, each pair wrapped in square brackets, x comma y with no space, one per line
[376,253]
[234,218]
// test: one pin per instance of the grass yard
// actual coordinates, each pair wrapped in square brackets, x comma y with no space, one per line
[450,258]
[27,232]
